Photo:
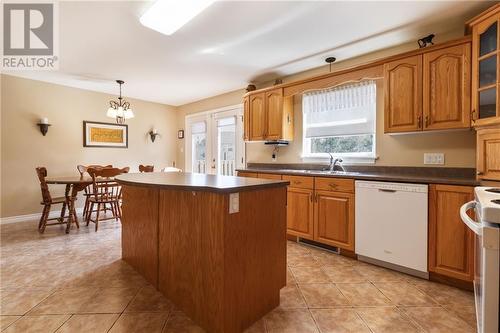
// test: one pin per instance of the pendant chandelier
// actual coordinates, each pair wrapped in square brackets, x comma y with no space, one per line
[120,110]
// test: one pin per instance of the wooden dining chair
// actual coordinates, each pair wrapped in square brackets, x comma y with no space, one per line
[104,191]
[82,169]
[48,201]
[146,168]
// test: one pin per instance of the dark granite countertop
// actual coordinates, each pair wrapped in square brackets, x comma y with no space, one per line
[421,175]
[196,182]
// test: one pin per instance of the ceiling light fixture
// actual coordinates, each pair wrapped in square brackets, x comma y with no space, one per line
[120,110]
[168,16]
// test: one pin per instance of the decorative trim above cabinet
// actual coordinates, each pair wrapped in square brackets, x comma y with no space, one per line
[425,89]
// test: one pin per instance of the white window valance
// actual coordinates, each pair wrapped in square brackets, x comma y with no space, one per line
[349,109]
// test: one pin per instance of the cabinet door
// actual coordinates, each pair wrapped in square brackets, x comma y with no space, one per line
[451,243]
[488,153]
[246,118]
[257,117]
[334,219]
[403,95]
[299,212]
[485,77]
[446,90]
[274,114]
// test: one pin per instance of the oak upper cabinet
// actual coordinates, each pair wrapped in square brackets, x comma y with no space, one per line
[334,219]
[451,243]
[274,114]
[403,95]
[485,64]
[488,153]
[270,116]
[300,212]
[257,117]
[446,88]
[429,91]
[246,118]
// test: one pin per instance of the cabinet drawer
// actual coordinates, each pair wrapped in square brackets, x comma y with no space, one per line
[269,176]
[335,184]
[300,181]
[247,174]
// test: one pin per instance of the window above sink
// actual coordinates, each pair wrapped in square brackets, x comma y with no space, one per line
[341,121]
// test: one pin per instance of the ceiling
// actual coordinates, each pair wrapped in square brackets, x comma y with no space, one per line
[231,43]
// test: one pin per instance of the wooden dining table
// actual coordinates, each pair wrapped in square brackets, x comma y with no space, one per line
[74,184]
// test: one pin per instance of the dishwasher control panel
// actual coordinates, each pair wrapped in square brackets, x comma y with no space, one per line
[392,187]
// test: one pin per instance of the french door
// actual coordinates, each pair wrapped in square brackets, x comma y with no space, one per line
[214,142]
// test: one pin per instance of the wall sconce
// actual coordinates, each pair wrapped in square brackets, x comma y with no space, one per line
[153,134]
[44,125]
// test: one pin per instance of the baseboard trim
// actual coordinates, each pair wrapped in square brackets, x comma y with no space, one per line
[33,217]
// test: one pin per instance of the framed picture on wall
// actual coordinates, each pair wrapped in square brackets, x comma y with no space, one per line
[96,134]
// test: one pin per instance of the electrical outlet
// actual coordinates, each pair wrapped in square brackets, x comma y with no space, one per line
[434,158]
[234,203]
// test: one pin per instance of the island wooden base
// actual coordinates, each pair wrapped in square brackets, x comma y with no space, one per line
[223,270]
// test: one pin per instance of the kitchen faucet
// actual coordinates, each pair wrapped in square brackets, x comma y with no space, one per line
[333,163]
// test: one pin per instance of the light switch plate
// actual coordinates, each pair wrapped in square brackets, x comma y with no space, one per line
[434,158]
[234,203]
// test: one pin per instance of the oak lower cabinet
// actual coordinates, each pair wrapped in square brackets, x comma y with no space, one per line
[247,174]
[300,212]
[334,219]
[272,176]
[451,243]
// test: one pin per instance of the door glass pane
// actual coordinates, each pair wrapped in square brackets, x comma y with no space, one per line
[488,71]
[487,103]
[488,40]
[199,147]
[226,146]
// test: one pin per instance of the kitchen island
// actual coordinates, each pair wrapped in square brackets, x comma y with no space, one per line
[214,245]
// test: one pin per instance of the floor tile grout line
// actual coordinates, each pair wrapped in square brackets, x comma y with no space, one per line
[363,320]
[62,324]
[314,320]
[5,328]
[410,319]
[170,313]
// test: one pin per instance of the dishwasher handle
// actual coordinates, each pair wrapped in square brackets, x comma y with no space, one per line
[386,190]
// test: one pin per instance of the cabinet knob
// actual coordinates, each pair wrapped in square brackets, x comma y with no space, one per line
[479,173]
[419,121]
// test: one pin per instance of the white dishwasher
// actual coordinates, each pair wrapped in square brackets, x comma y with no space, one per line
[391,225]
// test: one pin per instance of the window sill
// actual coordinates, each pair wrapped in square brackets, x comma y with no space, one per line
[346,158]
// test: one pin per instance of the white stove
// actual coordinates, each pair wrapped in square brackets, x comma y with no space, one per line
[487,271]
[488,204]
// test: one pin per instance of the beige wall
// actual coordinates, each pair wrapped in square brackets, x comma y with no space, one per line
[395,150]
[23,148]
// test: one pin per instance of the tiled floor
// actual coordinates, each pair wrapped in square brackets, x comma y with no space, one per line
[77,283]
